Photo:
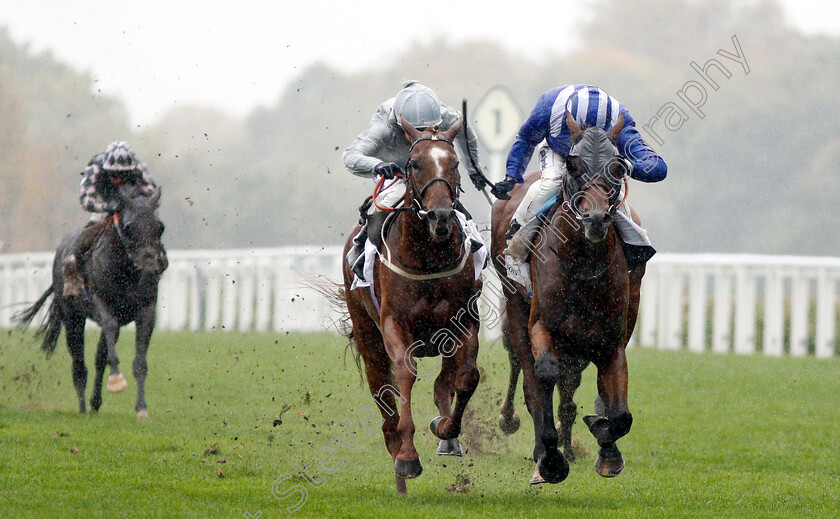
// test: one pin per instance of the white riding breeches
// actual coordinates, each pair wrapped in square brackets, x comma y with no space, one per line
[552,170]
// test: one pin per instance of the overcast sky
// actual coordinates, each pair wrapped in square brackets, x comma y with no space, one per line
[156,54]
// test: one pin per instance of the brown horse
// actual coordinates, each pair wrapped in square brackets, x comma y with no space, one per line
[583,310]
[426,291]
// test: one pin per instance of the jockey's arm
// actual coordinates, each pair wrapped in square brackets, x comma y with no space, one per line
[530,134]
[89,196]
[145,182]
[647,165]
[360,157]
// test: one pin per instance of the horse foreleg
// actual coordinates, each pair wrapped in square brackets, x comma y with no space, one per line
[75,331]
[145,325]
[463,364]
[553,466]
[570,375]
[111,332]
[101,360]
[444,392]
[514,338]
[407,463]
[616,420]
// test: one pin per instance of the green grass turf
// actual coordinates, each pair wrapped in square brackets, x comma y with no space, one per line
[713,436]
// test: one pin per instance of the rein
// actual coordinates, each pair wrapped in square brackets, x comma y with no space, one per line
[390,259]
[436,272]
[573,207]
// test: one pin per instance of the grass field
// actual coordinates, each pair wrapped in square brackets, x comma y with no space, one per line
[713,436]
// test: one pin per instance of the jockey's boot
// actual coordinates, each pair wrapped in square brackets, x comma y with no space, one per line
[356,252]
[71,266]
[372,229]
[519,240]
[375,223]
[73,282]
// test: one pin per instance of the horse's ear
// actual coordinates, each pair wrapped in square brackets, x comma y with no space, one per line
[573,126]
[411,133]
[453,131]
[616,129]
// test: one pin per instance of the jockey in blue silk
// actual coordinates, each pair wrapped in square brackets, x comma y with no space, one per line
[546,127]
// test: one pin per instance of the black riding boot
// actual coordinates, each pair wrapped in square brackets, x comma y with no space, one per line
[71,265]
[372,228]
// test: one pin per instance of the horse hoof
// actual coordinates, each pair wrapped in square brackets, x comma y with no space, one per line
[142,414]
[408,469]
[553,467]
[610,462]
[449,448]
[117,383]
[509,425]
[536,479]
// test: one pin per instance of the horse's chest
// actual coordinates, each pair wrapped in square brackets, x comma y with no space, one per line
[436,311]
[587,320]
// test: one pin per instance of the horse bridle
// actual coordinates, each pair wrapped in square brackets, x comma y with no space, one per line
[602,177]
[417,198]
[437,271]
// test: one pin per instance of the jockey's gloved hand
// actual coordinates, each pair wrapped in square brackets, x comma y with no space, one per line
[113,207]
[501,189]
[387,169]
[478,181]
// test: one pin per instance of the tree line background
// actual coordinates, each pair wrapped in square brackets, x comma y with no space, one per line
[755,174]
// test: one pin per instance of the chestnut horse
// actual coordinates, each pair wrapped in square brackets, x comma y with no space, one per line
[583,310]
[426,290]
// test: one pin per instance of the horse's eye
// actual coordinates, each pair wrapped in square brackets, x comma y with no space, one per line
[415,164]
[162,228]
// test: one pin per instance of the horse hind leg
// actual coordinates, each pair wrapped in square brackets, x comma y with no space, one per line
[101,361]
[75,331]
[369,344]
[508,418]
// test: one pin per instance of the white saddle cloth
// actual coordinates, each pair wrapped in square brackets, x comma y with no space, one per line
[469,228]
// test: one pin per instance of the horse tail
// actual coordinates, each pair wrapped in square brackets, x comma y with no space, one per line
[50,329]
[336,297]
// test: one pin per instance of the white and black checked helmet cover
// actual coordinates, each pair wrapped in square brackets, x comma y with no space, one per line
[119,157]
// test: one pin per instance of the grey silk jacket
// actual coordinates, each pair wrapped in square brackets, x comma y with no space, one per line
[383,141]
